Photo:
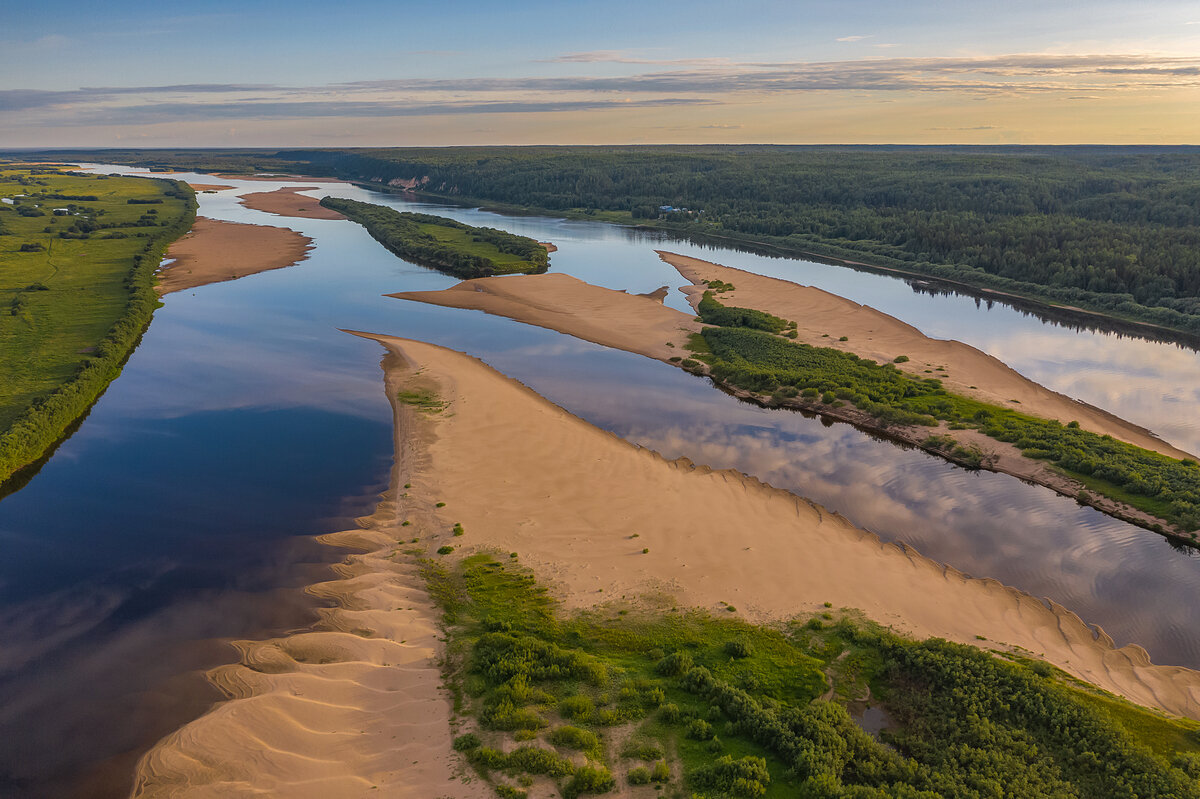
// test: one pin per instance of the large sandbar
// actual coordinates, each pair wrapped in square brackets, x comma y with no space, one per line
[214,251]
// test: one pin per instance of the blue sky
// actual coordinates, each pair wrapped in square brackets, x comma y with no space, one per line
[249,73]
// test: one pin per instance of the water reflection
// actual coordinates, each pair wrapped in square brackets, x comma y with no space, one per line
[174,519]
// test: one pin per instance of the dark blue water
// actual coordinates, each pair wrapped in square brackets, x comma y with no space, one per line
[180,515]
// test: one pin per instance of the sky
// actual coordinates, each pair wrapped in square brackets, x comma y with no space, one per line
[136,73]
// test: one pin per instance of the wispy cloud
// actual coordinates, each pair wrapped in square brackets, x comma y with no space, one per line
[856,38]
[684,82]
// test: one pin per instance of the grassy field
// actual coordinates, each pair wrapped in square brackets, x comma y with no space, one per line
[708,705]
[463,241]
[77,256]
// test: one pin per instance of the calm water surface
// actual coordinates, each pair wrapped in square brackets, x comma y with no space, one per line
[178,516]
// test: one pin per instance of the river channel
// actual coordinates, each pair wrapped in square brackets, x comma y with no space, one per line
[180,515]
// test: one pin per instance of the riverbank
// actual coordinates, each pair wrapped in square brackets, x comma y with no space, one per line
[289,202]
[353,707]
[214,251]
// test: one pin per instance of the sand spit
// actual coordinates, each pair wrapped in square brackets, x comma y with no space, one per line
[352,708]
[633,322]
[214,251]
[876,335]
[521,474]
[289,202]
[209,186]
[639,323]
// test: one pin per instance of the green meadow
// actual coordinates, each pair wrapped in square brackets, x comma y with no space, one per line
[702,704]
[77,260]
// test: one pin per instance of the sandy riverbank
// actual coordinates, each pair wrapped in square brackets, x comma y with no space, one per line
[289,202]
[352,708]
[641,324]
[209,186]
[214,251]
[823,318]
[356,704]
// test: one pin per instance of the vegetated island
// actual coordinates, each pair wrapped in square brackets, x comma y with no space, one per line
[885,376]
[446,245]
[708,634]
[78,255]
[215,251]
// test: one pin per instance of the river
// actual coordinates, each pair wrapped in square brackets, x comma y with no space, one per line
[179,516]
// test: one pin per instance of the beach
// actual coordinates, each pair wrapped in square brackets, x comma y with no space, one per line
[355,703]
[214,251]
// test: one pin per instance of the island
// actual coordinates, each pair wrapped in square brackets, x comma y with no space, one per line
[444,244]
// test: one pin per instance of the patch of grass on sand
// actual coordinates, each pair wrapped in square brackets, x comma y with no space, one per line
[720,707]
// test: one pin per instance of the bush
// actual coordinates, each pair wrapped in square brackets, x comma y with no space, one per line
[699,730]
[661,772]
[576,708]
[445,550]
[674,664]
[745,777]
[738,649]
[576,738]
[465,743]
[639,776]
[589,779]
[900,359]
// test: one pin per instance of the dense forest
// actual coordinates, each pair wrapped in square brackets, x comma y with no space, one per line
[1114,230]
[444,244]
[1110,229]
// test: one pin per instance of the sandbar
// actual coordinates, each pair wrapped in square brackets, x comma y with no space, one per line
[214,251]
[209,186]
[353,707]
[289,202]
[640,323]
[873,334]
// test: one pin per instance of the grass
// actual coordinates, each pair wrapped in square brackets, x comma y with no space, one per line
[464,241]
[423,400]
[72,310]
[694,698]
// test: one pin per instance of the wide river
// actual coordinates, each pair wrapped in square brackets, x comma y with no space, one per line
[179,516]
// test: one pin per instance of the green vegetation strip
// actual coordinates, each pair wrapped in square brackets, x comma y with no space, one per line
[78,254]
[444,244]
[717,707]
[743,355]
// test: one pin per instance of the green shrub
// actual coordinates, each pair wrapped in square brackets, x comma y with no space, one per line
[445,550]
[738,649]
[674,664]
[639,776]
[747,776]
[699,730]
[577,707]
[589,779]
[576,738]
[900,359]
[661,772]
[465,743]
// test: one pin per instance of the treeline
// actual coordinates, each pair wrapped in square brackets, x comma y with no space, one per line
[736,704]
[43,424]
[402,233]
[1115,230]
[742,354]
